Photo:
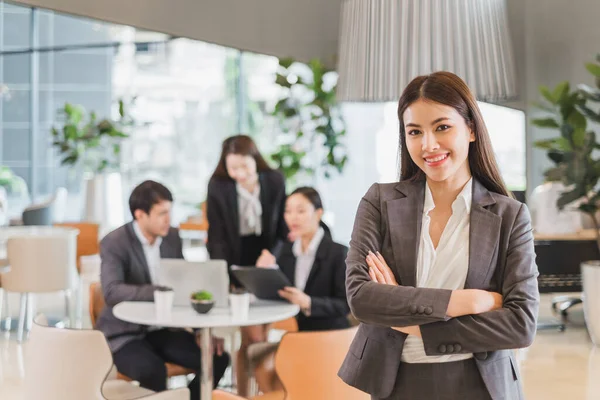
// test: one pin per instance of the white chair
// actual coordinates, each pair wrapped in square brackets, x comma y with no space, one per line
[42,260]
[72,364]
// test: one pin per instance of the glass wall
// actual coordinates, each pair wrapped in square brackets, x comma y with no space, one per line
[189,95]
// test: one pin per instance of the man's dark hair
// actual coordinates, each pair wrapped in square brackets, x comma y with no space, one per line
[147,194]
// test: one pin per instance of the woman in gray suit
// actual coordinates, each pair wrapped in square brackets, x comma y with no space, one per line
[441,269]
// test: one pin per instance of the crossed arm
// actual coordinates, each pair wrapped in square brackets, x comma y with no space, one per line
[479,321]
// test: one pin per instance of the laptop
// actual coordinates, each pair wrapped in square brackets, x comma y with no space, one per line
[187,277]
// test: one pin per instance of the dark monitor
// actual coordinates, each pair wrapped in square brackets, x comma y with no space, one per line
[559,263]
[519,195]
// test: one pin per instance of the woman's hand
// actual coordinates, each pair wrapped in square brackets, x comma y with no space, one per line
[379,271]
[295,296]
[266,259]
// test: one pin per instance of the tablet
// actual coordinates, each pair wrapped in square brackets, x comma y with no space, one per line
[264,283]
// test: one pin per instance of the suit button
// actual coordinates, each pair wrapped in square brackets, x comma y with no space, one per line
[481,356]
[421,309]
[442,348]
[450,348]
[428,310]
[457,348]
[413,309]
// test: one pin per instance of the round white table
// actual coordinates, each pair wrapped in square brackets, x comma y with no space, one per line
[261,312]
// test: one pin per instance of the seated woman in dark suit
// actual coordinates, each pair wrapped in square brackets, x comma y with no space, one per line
[316,266]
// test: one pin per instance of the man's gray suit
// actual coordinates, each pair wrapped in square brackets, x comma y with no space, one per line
[501,259]
[125,277]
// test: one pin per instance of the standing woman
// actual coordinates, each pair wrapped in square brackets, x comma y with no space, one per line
[245,204]
[441,267]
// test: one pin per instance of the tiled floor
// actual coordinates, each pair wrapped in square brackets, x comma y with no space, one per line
[559,365]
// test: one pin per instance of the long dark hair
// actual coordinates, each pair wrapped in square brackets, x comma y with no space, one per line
[448,89]
[314,198]
[242,145]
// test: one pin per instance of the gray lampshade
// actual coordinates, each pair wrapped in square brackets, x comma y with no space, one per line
[386,43]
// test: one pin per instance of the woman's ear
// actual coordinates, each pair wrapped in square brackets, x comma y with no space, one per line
[320,213]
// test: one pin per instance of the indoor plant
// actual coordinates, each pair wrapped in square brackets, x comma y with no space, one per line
[578,168]
[310,121]
[93,146]
[202,301]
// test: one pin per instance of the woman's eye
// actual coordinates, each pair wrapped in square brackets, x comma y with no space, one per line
[443,127]
[414,132]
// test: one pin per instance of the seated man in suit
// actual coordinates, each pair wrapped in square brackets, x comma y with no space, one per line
[130,257]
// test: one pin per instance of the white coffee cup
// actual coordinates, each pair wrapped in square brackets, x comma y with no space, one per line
[163,303]
[240,305]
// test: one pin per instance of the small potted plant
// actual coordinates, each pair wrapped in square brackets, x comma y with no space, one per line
[202,301]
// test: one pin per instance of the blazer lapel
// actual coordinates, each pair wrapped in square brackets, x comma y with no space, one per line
[232,202]
[484,234]
[320,256]
[264,202]
[138,253]
[405,216]
[287,264]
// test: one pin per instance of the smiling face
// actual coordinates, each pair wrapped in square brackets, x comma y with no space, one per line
[437,139]
[241,168]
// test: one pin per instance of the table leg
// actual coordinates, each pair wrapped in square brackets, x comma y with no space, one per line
[206,380]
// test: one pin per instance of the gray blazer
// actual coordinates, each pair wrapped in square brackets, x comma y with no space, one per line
[501,259]
[125,276]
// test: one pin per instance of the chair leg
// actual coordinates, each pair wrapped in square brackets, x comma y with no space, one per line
[68,308]
[79,316]
[22,316]
[7,318]
[30,310]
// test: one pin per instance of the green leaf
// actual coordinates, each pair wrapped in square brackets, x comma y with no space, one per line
[577,120]
[281,80]
[290,112]
[579,137]
[546,144]
[70,132]
[560,91]
[544,107]
[594,69]
[545,123]
[70,160]
[568,198]
[556,156]
[286,62]
[547,94]
[94,142]
[105,126]
[588,208]
[121,108]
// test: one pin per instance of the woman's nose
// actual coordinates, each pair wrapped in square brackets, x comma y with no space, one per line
[429,142]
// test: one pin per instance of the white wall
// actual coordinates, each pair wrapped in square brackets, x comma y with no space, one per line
[553,39]
[303,29]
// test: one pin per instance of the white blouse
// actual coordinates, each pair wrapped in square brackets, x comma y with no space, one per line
[443,268]
[250,211]
[305,260]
